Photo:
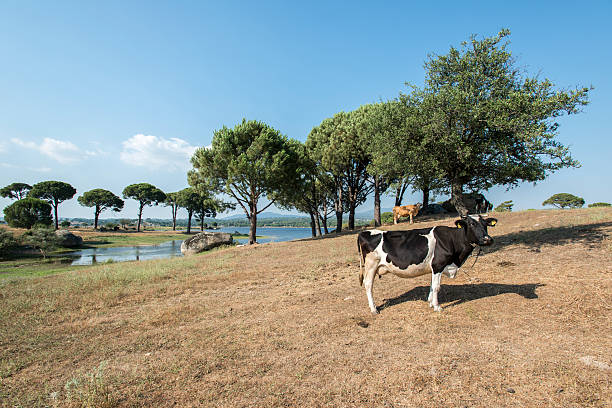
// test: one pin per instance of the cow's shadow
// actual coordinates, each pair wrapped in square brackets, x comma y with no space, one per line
[457,294]
[589,234]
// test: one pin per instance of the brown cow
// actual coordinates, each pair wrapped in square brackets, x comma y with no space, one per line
[405,211]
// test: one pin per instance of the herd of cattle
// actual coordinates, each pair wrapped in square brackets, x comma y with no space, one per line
[438,250]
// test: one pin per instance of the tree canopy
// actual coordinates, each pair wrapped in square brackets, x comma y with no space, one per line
[53,192]
[28,212]
[16,191]
[488,123]
[101,200]
[248,162]
[146,194]
[564,200]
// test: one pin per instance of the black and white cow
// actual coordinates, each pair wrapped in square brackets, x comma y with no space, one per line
[407,254]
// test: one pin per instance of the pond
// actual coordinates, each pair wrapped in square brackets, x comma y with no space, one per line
[173,248]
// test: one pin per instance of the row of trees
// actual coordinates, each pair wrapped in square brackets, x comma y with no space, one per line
[35,203]
[478,121]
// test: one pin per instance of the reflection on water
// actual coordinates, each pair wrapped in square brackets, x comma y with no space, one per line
[131,253]
[173,248]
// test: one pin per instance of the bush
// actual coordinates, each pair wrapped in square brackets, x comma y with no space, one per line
[65,224]
[7,241]
[506,206]
[386,217]
[43,239]
[600,205]
[27,212]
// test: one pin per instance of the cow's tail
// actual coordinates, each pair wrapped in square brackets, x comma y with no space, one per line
[360,262]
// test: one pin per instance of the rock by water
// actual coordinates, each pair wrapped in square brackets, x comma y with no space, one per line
[68,239]
[204,241]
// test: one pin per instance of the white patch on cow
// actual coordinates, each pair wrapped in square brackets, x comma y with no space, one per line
[475,217]
[375,232]
[433,291]
[410,271]
[451,270]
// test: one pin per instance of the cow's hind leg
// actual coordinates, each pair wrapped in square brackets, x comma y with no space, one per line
[433,291]
[371,266]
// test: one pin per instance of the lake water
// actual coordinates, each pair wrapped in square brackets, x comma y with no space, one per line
[173,248]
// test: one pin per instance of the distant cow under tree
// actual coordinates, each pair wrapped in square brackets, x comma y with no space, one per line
[405,211]
[407,254]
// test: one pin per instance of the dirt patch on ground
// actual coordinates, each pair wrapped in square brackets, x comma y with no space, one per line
[287,324]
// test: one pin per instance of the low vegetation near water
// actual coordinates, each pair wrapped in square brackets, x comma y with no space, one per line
[286,324]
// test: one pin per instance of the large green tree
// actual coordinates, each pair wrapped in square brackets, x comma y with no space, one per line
[16,191]
[146,194]
[53,192]
[488,123]
[337,145]
[248,162]
[101,200]
[27,212]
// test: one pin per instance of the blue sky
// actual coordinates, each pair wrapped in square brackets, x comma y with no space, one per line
[106,94]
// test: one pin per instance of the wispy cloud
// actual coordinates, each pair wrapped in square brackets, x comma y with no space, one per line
[156,152]
[58,150]
[36,169]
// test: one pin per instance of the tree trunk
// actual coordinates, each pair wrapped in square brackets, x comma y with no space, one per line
[139,217]
[174,217]
[312,225]
[55,211]
[189,215]
[351,221]
[425,202]
[202,223]
[324,218]
[377,221]
[339,210]
[96,215]
[399,193]
[457,198]
[253,228]
[317,222]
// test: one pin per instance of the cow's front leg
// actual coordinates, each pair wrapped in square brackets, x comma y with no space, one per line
[371,265]
[433,291]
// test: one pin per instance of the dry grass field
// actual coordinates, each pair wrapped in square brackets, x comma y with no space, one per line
[287,324]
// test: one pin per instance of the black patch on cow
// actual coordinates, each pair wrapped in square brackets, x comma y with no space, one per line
[452,247]
[368,242]
[405,248]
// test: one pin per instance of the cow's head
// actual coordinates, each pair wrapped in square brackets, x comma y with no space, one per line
[476,228]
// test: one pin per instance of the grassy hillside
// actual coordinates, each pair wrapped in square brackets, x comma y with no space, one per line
[286,324]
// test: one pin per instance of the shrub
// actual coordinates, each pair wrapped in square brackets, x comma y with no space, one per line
[65,224]
[7,241]
[564,200]
[386,217]
[43,239]
[27,212]
[600,205]
[506,206]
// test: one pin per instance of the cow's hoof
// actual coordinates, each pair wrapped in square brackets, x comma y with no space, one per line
[375,311]
[437,308]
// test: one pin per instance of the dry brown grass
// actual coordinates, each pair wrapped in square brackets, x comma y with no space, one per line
[287,324]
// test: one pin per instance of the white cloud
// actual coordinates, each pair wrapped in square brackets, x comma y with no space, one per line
[2,147]
[36,169]
[58,150]
[156,152]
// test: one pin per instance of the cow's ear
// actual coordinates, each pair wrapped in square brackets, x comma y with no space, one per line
[461,224]
[491,222]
